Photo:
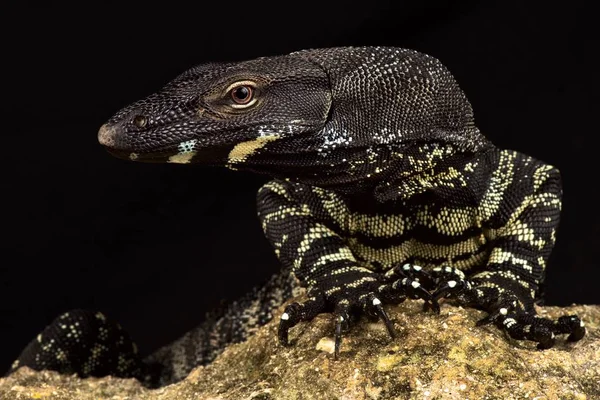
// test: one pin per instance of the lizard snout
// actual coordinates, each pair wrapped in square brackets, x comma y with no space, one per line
[106,135]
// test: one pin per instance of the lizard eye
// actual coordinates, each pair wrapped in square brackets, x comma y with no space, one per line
[243,94]
[140,121]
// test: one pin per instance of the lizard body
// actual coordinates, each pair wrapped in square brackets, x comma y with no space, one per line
[383,189]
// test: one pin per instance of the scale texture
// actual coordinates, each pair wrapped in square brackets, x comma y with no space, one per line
[383,190]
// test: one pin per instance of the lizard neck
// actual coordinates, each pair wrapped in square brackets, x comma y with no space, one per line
[369,169]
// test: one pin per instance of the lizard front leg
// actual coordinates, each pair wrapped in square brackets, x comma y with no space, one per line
[521,211]
[306,238]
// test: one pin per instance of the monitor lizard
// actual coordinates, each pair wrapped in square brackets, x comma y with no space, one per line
[383,189]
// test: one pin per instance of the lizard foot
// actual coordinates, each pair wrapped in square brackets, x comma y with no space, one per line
[543,331]
[450,282]
[367,297]
[522,324]
[421,282]
[414,272]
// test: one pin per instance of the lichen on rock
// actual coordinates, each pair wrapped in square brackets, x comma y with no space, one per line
[433,357]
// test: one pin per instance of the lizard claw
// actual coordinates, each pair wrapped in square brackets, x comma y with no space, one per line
[414,290]
[498,313]
[379,312]
[451,287]
[451,282]
[296,312]
[572,325]
[341,325]
[287,320]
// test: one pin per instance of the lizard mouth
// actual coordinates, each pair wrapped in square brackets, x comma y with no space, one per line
[157,157]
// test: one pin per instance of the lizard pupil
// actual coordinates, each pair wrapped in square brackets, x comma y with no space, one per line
[242,94]
[140,121]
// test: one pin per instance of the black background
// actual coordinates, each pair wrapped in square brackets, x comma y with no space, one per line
[156,246]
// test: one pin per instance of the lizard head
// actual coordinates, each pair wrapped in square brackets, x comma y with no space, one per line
[222,113]
[331,117]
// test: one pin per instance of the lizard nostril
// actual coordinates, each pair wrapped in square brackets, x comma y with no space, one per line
[140,121]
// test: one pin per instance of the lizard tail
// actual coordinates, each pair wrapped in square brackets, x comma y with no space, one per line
[233,324]
[87,343]
[82,342]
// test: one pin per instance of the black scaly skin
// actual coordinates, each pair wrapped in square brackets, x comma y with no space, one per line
[384,189]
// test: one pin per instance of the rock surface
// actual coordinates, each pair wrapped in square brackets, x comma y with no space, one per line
[434,357]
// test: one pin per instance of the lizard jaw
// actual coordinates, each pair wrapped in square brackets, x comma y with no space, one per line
[107,136]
